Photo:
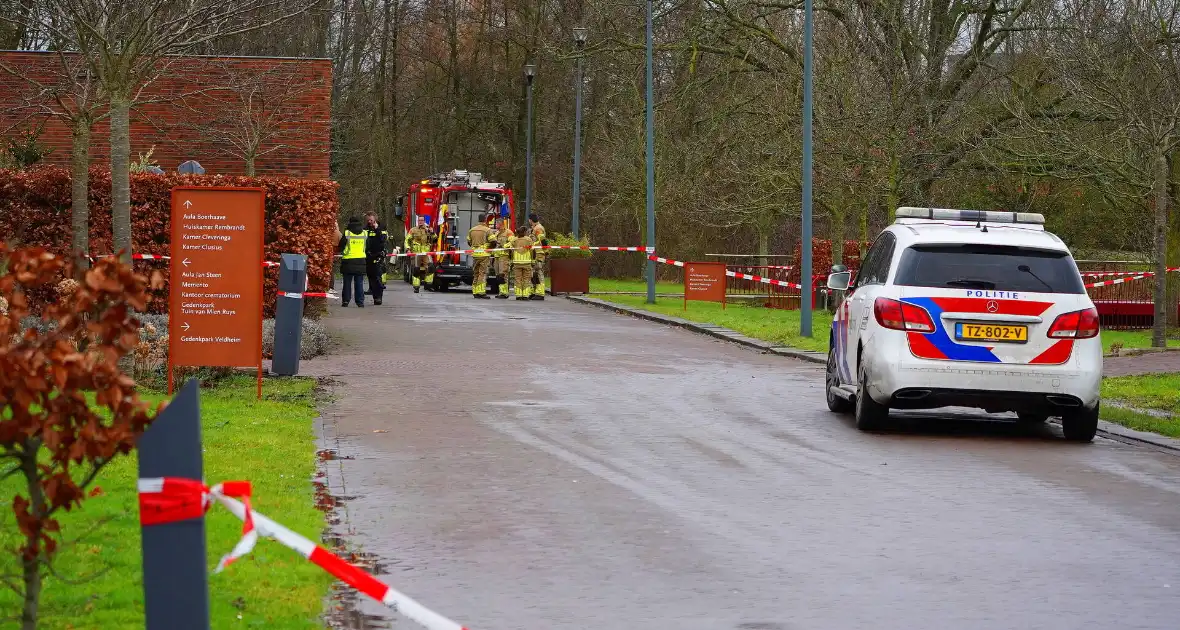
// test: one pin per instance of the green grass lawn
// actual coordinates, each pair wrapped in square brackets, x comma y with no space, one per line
[1149,391]
[1132,339]
[769,324]
[270,443]
[610,285]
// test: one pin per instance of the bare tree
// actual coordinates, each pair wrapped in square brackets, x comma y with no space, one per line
[250,111]
[124,44]
[1112,78]
[73,94]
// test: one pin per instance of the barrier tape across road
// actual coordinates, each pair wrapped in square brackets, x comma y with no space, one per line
[732,274]
[1139,276]
[265,263]
[508,249]
[168,500]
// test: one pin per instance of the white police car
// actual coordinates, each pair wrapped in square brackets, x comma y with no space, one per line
[966,308]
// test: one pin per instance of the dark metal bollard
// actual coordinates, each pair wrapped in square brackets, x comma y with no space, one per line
[289,315]
[175,569]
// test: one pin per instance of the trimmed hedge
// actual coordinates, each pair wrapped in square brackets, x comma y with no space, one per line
[300,219]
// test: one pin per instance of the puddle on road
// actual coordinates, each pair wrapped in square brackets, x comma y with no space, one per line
[343,607]
[329,454]
[344,601]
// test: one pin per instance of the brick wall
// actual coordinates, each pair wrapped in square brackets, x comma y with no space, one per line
[204,108]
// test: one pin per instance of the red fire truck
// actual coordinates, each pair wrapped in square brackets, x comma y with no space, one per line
[465,196]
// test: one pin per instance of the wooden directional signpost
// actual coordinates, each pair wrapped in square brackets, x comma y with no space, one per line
[704,282]
[215,306]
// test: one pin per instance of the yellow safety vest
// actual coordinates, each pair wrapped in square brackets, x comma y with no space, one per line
[356,245]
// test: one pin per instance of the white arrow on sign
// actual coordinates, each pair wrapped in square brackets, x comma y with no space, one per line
[186,326]
[188,203]
[185,262]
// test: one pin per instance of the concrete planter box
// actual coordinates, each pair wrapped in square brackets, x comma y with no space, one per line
[569,275]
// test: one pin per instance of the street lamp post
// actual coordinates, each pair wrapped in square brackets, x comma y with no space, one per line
[808,290]
[580,34]
[530,71]
[651,169]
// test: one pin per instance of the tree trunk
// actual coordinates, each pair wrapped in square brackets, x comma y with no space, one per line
[121,175]
[837,232]
[80,193]
[763,247]
[893,190]
[1160,327]
[31,569]
[863,225]
[250,165]
[31,562]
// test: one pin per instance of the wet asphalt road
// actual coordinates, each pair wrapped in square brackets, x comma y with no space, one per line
[553,466]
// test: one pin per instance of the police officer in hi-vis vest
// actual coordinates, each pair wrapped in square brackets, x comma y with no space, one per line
[352,262]
[478,239]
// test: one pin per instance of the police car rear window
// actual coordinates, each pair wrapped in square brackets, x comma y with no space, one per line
[988,267]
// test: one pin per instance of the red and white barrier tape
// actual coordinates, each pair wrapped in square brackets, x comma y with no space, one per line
[168,499]
[508,249]
[307,294]
[1106,283]
[666,261]
[733,274]
[265,263]
[136,257]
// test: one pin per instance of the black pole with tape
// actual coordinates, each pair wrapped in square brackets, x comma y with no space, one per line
[289,315]
[175,568]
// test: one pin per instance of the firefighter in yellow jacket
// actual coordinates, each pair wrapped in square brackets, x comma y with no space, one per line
[504,238]
[522,263]
[538,278]
[418,241]
[479,238]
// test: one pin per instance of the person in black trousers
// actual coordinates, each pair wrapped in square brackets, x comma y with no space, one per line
[376,238]
[352,262]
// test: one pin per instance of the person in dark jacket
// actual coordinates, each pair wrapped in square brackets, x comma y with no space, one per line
[375,256]
[352,262]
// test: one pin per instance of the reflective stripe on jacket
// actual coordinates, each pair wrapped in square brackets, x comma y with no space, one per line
[478,238]
[522,250]
[504,239]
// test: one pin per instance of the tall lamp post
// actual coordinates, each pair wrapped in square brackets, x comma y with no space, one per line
[580,34]
[651,169]
[805,246]
[530,71]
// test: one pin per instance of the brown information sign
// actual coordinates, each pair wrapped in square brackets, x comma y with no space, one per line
[215,306]
[704,282]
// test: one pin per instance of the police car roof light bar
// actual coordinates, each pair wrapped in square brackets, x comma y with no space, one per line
[978,216]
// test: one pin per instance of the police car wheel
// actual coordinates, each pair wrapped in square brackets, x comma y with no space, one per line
[1081,425]
[831,380]
[870,415]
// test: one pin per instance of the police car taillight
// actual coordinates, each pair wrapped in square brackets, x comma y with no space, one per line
[1076,325]
[897,315]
